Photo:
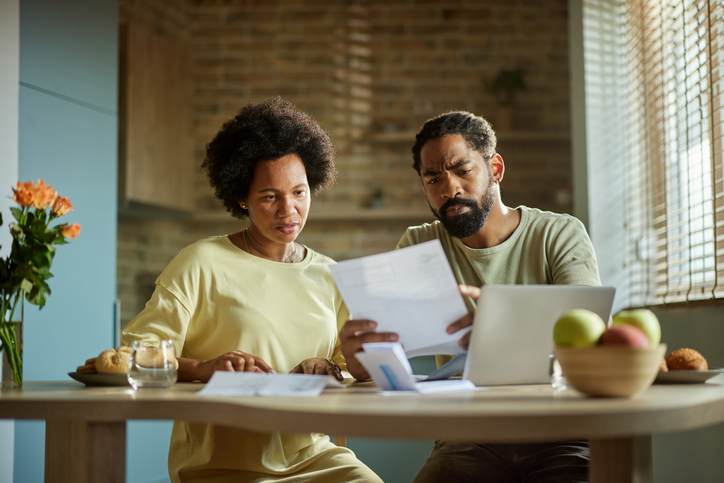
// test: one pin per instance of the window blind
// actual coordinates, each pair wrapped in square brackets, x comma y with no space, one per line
[674,168]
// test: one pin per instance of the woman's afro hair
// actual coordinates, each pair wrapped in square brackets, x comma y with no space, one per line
[265,131]
[476,131]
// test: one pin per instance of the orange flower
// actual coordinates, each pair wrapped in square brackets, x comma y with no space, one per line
[44,196]
[24,194]
[71,231]
[61,206]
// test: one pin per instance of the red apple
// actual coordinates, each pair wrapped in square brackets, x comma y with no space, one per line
[643,319]
[625,335]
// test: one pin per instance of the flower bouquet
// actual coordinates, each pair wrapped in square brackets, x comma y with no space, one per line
[25,272]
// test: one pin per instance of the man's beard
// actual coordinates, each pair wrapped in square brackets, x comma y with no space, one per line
[469,223]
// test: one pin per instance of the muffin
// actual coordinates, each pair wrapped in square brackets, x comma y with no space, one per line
[686,360]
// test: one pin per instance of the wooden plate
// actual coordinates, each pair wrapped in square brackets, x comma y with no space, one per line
[101,379]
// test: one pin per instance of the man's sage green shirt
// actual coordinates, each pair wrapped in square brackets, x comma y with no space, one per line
[546,248]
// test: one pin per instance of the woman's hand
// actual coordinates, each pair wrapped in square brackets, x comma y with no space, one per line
[234,361]
[465,320]
[318,366]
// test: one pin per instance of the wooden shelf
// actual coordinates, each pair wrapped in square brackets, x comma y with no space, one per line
[533,135]
[394,137]
[412,215]
[133,210]
[367,214]
[522,135]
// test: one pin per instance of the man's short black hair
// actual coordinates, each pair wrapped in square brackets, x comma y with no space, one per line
[476,131]
[265,131]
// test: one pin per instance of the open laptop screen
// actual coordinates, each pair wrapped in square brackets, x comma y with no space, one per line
[512,334]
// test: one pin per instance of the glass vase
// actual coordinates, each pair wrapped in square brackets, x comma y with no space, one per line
[12,352]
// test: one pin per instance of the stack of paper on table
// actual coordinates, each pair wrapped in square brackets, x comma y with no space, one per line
[388,366]
[224,383]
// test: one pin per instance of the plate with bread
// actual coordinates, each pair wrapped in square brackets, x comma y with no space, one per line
[110,368]
[100,379]
[685,366]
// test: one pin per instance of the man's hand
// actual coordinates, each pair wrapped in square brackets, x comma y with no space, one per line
[318,366]
[234,361]
[355,333]
[466,320]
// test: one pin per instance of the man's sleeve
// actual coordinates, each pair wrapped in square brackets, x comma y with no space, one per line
[572,258]
[407,240]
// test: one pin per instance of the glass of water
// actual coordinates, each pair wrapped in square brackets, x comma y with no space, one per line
[153,364]
[558,382]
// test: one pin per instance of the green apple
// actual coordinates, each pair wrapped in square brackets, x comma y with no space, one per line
[644,319]
[578,328]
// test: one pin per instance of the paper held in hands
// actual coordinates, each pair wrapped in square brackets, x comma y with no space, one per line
[224,383]
[388,366]
[411,291]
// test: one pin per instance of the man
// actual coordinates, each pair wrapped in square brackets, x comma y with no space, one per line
[487,242]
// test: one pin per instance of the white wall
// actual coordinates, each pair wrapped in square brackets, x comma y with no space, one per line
[602,91]
[579,168]
[9,62]
[698,455]
[9,75]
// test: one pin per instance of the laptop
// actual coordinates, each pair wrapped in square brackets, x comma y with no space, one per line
[512,334]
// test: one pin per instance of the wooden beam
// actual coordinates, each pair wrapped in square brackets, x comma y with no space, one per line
[623,460]
[85,451]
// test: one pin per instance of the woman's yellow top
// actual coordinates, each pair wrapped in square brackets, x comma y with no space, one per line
[214,298]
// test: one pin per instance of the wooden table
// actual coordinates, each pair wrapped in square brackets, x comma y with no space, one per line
[86,427]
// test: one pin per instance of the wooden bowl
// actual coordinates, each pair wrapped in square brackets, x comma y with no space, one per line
[610,371]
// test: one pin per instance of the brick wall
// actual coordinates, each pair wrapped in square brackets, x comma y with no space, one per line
[371,72]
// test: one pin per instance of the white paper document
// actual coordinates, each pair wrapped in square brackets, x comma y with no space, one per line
[411,291]
[224,383]
[388,366]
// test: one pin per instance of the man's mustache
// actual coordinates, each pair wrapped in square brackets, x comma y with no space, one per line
[457,202]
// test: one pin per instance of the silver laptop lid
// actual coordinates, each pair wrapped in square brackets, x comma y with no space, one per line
[512,334]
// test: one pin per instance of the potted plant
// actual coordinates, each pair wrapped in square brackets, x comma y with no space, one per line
[377,198]
[505,86]
[24,273]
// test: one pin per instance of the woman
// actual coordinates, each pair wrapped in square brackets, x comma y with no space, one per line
[255,300]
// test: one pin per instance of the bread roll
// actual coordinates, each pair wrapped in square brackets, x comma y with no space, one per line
[686,360]
[113,361]
[88,368]
[662,366]
[125,349]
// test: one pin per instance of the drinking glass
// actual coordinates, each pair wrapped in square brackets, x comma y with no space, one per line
[153,364]
[558,382]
